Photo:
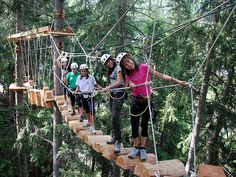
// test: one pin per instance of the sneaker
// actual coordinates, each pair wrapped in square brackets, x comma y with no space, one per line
[134,152]
[69,109]
[117,147]
[65,104]
[73,113]
[143,154]
[112,141]
[81,119]
[93,130]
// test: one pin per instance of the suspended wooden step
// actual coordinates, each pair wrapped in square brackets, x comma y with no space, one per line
[59,97]
[165,168]
[47,97]
[210,171]
[69,117]
[90,140]
[102,146]
[129,164]
[77,126]
[111,155]
[84,133]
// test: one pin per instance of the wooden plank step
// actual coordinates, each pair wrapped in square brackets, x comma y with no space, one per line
[166,168]
[59,102]
[90,140]
[210,171]
[110,155]
[65,112]
[126,163]
[69,117]
[102,146]
[83,133]
[59,97]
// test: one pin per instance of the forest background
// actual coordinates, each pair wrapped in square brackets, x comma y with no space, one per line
[202,52]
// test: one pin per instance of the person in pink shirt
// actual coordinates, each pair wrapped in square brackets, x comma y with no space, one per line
[138,77]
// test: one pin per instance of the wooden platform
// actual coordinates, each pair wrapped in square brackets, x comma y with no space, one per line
[43,31]
[15,88]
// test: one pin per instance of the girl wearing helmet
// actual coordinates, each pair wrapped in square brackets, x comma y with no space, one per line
[86,83]
[117,98]
[71,82]
[138,74]
[62,63]
[64,70]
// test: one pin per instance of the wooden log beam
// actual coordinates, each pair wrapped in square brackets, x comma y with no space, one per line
[28,35]
[166,168]
[129,164]
[111,155]
[35,33]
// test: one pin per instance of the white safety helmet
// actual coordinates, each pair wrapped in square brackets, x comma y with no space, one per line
[120,56]
[64,59]
[83,66]
[74,65]
[105,57]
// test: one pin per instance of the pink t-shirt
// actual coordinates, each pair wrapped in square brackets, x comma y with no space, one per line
[139,77]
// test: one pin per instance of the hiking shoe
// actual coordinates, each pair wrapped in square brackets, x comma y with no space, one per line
[93,130]
[73,113]
[143,154]
[117,147]
[112,141]
[81,119]
[134,152]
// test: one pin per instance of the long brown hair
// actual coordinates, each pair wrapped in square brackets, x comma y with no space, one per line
[126,71]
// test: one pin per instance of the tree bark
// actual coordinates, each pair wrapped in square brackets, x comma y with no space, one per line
[57,118]
[19,96]
[199,114]
[122,30]
[212,150]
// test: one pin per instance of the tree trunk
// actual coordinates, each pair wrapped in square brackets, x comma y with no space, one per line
[19,96]
[219,115]
[199,115]
[122,30]
[57,118]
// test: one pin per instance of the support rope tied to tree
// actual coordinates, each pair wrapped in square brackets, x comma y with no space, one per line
[191,90]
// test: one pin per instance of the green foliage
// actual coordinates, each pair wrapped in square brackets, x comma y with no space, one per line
[179,55]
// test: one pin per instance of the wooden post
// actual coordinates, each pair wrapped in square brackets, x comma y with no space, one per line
[57,134]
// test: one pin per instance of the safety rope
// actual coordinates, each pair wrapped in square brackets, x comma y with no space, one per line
[182,26]
[213,44]
[137,115]
[148,97]
[117,98]
[95,48]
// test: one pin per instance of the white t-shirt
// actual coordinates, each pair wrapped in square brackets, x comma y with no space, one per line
[86,84]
